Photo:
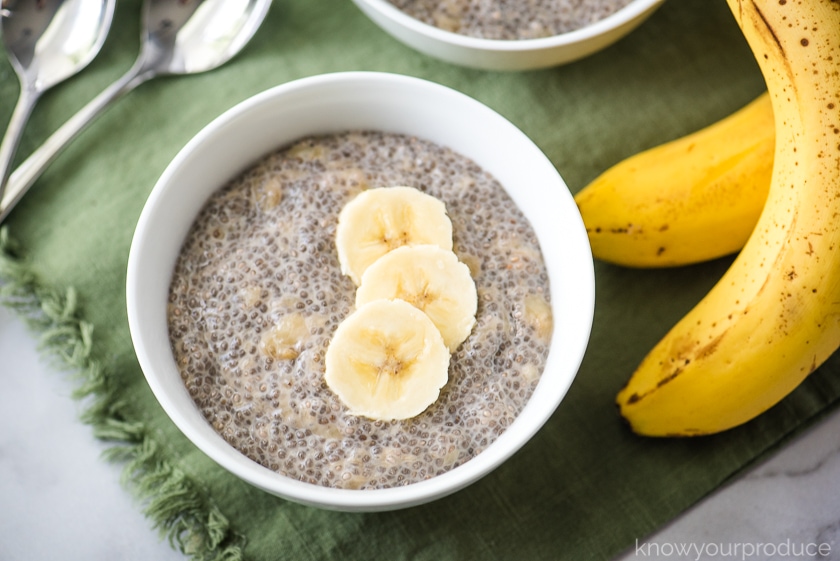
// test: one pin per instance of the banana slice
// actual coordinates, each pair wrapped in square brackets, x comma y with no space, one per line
[432,280]
[387,361]
[379,220]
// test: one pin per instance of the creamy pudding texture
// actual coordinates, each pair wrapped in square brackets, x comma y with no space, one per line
[509,19]
[257,293]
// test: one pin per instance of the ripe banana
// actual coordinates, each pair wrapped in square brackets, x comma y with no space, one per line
[774,317]
[689,200]
[381,219]
[387,361]
[432,280]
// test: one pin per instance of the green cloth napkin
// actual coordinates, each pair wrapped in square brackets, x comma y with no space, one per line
[584,487]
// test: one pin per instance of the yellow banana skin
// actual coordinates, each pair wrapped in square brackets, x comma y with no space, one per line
[774,316]
[689,200]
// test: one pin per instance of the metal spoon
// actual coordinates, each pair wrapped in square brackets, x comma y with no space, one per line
[47,42]
[178,37]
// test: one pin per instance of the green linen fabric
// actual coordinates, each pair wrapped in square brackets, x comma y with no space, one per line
[584,487]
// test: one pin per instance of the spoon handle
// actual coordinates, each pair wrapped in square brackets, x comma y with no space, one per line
[11,140]
[31,169]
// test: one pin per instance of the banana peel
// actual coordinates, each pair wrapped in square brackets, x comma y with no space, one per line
[774,316]
[689,200]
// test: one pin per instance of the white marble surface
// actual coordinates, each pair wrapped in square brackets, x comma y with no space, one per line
[785,509]
[59,500]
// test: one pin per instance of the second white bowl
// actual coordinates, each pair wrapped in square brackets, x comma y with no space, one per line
[491,54]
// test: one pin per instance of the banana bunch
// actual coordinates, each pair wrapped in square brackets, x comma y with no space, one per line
[774,316]
[689,200]
[415,304]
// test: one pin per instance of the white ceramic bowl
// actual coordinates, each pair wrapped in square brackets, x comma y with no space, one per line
[490,54]
[334,103]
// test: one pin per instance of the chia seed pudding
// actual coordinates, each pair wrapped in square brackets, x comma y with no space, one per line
[509,19]
[257,293]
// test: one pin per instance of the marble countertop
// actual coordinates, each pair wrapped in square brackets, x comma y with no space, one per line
[61,501]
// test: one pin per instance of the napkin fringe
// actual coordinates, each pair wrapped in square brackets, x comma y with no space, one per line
[175,504]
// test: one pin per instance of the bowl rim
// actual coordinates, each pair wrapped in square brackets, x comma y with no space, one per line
[214,446]
[628,13]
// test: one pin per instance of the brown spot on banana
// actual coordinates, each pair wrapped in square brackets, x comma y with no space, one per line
[636,397]
[769,29]
[709,349]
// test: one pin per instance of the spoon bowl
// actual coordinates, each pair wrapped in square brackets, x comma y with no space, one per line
[47,42]
[178,37]
[194,36]
[208,33]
